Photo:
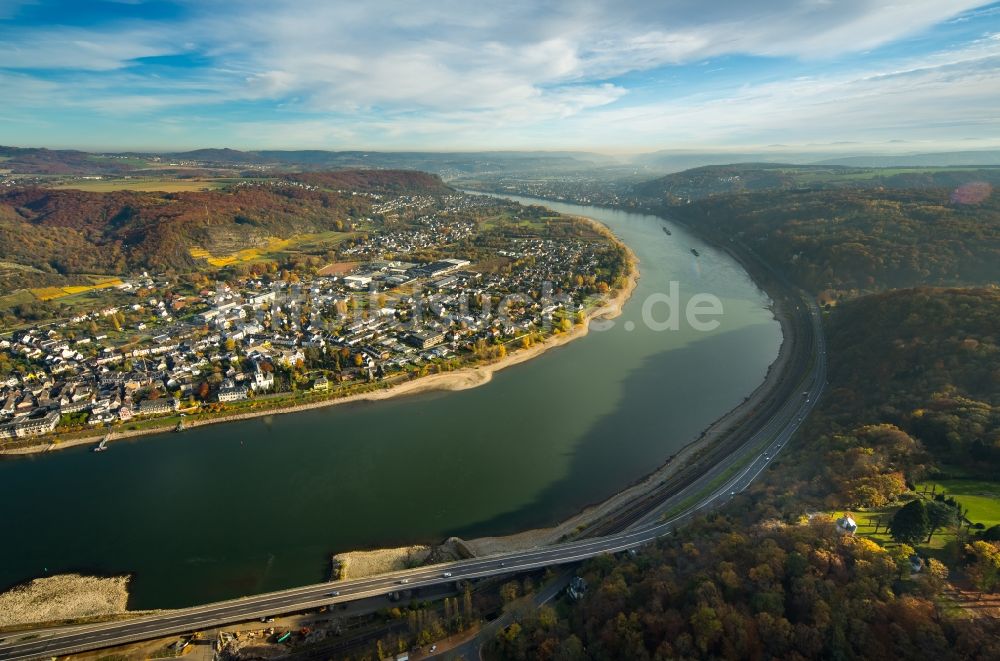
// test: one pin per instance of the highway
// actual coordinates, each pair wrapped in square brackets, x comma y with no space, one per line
[713,489]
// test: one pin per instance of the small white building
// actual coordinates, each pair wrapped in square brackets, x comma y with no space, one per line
[847,525]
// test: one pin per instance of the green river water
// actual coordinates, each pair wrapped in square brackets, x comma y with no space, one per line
[258,505]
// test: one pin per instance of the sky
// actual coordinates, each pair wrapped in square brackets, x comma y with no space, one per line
[620,77]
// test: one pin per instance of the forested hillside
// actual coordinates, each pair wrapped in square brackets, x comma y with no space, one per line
[70,232]
[852,241]
[731,589]
[714,180]
[914,388]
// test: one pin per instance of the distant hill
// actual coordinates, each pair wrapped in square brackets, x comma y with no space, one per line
[669,160]
[699,183]
[675,161]
[382,181]
[843,242]
[68,162]
[58,161]
[940,159]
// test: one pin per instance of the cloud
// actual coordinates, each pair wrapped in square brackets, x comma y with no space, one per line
[943,99]
[517,70]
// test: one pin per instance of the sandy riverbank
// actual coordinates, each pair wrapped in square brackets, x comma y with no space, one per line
[358,564]
[460,379]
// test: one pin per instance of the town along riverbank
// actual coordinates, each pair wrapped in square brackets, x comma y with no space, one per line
[458,379]
[533,446]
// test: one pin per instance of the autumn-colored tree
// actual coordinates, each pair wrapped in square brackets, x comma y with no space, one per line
[984,567]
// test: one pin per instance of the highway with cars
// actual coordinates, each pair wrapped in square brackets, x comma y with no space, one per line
[713,489]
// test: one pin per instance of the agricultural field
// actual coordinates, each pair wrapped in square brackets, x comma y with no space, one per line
[338,268]
[152,184]
[245,256]
[14,266]
[302,243]
[52,293]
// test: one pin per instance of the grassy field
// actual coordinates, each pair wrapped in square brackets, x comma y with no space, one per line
[980,497]
[507,221]
[19,297]
[152,184]
[866,528]
[866,524]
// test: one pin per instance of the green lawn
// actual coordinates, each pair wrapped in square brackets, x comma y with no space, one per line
[866,528]
[21,296]
[981,497]
[866,524]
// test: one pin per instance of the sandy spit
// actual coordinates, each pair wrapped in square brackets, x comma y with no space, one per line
[358,564]
[63,597]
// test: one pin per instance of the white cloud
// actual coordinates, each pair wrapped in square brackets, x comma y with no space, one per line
[949,101]
[515,71]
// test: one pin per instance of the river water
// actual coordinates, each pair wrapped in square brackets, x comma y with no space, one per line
[258,505]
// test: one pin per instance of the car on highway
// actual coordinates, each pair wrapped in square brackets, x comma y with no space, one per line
[447,574]
[335,593]
[403,581]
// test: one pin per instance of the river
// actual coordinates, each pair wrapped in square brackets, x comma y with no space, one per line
[240,508]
